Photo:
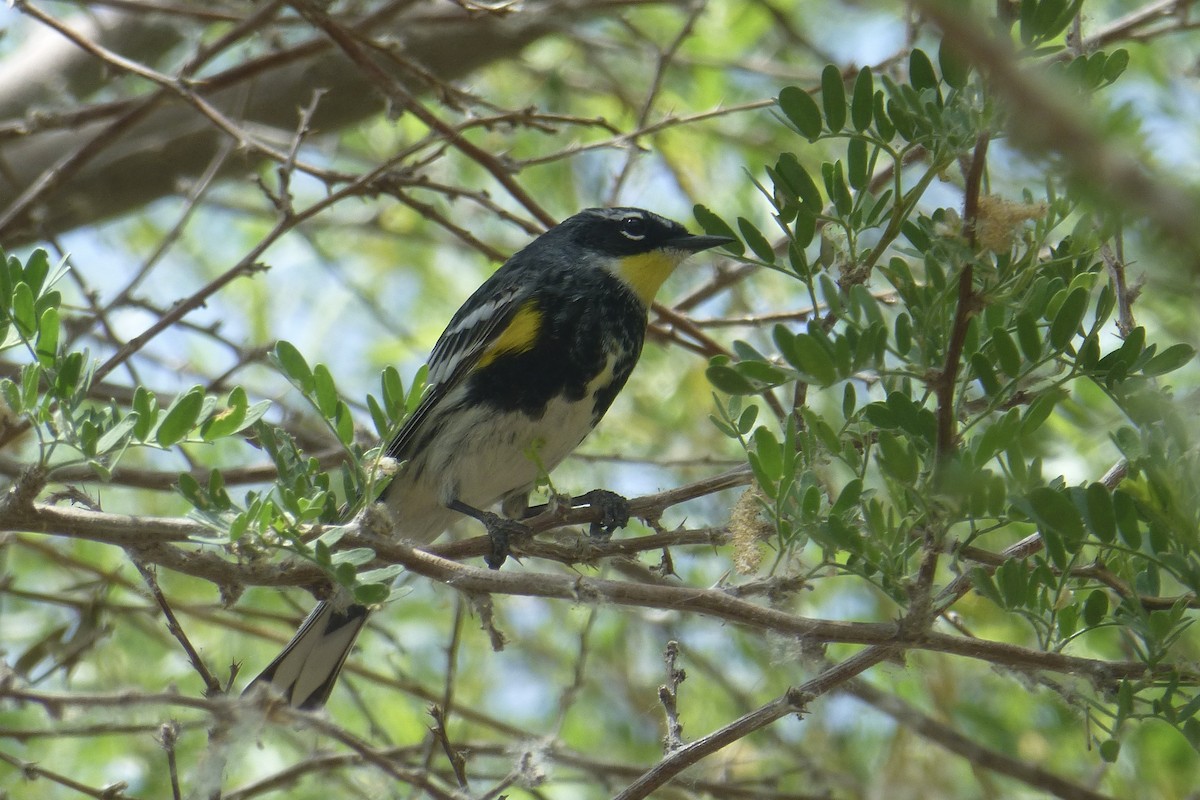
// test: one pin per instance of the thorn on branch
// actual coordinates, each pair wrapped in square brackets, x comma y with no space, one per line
[799,699]
[1125,294]
[482,603]
[458,762]
[168,734]
[668,695]
[212,687]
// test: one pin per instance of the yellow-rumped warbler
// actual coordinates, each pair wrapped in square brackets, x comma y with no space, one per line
[525,369]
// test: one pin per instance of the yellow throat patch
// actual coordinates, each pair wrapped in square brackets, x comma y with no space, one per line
[646,272]
[517,337]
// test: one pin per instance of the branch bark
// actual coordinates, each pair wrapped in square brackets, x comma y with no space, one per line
[151,151]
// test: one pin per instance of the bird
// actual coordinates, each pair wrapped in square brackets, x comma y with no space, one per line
[522,373]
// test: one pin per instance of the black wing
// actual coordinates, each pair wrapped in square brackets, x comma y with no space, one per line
[480,321]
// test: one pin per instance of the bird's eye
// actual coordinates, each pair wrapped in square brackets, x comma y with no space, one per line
[633,228]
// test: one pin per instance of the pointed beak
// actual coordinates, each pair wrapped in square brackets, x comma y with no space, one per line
[693,243]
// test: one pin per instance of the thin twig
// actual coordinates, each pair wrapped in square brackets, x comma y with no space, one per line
[212,687]
[795,700]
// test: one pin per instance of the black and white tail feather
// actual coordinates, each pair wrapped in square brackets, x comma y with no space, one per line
[307,669]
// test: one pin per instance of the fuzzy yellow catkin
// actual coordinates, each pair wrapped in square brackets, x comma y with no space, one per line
[747,529]
[998,221]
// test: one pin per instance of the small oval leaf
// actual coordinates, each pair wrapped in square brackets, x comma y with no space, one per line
[833,98]
[181,416]
[1068,318]
[802,110]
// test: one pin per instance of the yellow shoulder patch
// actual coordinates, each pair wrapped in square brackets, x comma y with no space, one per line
[519,336]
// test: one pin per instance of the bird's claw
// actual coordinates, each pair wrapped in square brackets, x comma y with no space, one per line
[613,510]
[500,531]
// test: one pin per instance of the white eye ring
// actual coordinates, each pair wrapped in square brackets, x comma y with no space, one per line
[638,223]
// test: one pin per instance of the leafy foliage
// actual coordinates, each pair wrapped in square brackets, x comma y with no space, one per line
[859,489]
[951,481]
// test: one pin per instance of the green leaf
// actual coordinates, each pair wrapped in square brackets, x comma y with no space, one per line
[1118,60]
[1089,352]
[293,365]
[882,123]
[986,374]
[848,498]
[1012,579]
[1127,353]
[1068,618]
[229,421]
[714,225]
[392,387]
[728,380]
[831,295]
[1054,510]
[1026,24]
[985,584]
[799,182]
[920,71]
[181,416]
[254,414]
[47,340]
[369,594]
[1101,516]
[997,436]
[754,239]
[324,391]
[117,435]
[70,371]
[145,406]
[189,487]
[381,575]
[761,372]
[849,400]
[343,423]
[880,415]
[745,422]
[24,314]
[1039,411]
[803,112]
[37,267]
[903,333]
[1028,336]
[833,98]
[344,574]
[1095,608]
[1068,318]
[956,69]
[897,458]
[770,453]
[1006,352]
[1110,750]
[807,355]
[857,165]
[1053,16]
[379,417]
[1128,518]
[1169,360]
[863,100]
[356,556]
[835,185]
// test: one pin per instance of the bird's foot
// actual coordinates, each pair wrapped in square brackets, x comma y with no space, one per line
[613,510]
[500,531]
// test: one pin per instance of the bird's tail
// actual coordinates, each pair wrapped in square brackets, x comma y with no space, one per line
[305,672]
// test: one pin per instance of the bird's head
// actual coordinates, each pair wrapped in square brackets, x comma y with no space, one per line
[638,246]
